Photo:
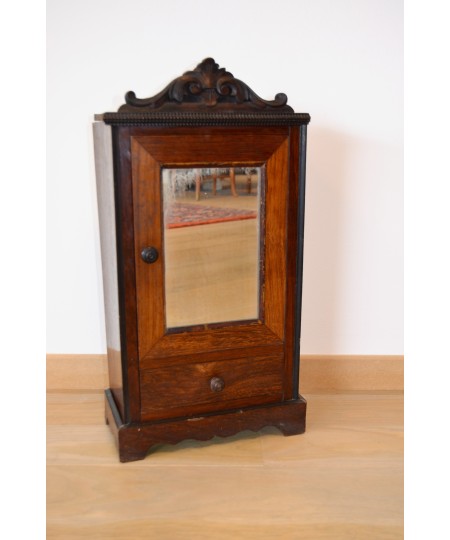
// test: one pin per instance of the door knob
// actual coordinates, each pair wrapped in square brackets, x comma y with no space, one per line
[149,254]
[217,384]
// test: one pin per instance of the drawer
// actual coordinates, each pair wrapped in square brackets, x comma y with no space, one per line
[192,389]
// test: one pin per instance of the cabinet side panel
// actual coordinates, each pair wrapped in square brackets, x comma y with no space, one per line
[107,221]
[291,368]
[301,233]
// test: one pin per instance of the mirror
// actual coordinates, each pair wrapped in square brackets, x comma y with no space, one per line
[212,244]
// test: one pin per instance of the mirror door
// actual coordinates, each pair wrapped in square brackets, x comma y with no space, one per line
[212,204]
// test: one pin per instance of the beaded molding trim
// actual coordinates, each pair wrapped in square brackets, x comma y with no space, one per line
[204,119]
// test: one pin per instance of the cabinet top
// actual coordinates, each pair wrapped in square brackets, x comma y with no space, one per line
[207,96]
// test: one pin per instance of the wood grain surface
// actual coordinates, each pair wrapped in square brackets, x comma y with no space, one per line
[342,479]
[126,270]
[177,147]
[148,233]
[152,148]
[169,392]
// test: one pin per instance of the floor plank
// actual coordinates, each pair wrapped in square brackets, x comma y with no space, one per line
[343,478]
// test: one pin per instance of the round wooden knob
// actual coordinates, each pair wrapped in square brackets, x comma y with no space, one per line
[217,384]
[149,255]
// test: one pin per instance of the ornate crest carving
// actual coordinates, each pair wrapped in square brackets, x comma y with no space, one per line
[208,87]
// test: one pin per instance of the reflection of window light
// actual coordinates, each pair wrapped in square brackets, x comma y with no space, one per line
[183,178]
[176,181]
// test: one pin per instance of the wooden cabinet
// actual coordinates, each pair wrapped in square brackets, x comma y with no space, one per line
[201,193]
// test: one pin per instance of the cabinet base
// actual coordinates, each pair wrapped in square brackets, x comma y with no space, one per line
[136,439]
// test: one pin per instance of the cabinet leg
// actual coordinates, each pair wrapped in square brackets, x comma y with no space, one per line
[291,428]
[126,455]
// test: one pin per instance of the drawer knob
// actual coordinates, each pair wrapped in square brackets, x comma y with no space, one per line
[149,255]
[217,384]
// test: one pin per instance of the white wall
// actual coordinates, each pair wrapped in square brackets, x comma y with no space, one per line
[339,60]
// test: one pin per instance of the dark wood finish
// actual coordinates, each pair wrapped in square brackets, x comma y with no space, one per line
[149,255]
[213,379]
[170,392]
[205,87]
[206,96]
[134,441]
[292,241]
[299,266]
[126,272]
[194,119]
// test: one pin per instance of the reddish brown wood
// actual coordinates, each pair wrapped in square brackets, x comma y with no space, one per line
[185,389]
[180,146]
[189,351]
[209,340]
[134,441]
[275,239]
[148,228]
[186,147]
[217,379]
[180,356]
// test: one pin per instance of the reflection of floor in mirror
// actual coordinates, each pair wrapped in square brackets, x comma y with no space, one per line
[185,214]
[211,273]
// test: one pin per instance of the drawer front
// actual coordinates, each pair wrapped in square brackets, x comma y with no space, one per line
[192,389]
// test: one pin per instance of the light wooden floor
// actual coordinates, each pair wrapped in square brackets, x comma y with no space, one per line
[342,479]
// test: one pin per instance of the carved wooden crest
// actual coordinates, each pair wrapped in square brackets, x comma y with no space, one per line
[208,87]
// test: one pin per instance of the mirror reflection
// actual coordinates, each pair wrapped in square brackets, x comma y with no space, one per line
[211,244]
